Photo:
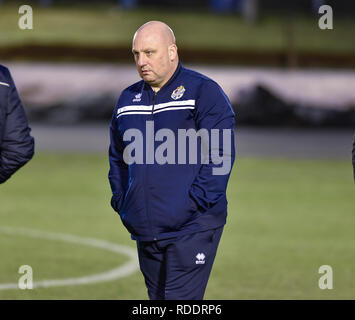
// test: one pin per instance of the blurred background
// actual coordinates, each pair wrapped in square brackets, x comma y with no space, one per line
[291,193]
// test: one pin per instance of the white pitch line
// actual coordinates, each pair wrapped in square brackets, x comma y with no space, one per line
[122,271]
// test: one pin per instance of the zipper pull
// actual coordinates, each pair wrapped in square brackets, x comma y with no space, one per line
[154,97]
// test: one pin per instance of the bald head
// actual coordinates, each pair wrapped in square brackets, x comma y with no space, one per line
[159,29]
[155,53]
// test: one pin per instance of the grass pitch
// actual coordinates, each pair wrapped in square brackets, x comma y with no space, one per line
[286,219]
[103,24]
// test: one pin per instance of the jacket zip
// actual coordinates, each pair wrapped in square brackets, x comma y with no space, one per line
[145,174]
[154,97]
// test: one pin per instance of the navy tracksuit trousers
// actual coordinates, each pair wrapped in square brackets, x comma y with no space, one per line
[179,268]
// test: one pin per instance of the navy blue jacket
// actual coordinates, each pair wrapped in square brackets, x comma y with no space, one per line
[157,200]
[16,143]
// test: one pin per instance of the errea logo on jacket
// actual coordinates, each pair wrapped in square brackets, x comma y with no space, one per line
[137,97]
[200,258]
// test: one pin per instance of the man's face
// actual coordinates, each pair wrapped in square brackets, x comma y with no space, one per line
[153,57]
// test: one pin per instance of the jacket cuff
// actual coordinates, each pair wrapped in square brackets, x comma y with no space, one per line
[116,202]
[194,205]
[199,204]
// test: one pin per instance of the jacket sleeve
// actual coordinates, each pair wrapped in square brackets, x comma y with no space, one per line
[214,111]
[17,145]
[118,173]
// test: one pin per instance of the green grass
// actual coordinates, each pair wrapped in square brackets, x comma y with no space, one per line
[286,219]
[107,25]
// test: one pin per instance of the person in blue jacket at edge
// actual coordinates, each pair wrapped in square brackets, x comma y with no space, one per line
[16,143]
[168,190]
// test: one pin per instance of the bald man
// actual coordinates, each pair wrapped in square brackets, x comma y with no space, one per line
[171,153]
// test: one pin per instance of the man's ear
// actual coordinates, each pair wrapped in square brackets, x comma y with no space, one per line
[172,49]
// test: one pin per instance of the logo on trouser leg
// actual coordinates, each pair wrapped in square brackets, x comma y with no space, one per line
[200,258]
